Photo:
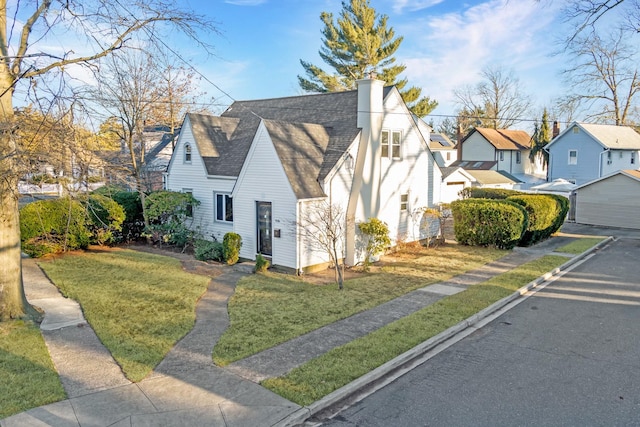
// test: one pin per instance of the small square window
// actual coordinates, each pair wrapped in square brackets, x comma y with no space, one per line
[404,202]
[576,129]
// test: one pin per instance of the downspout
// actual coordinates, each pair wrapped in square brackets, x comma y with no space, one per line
[601,161]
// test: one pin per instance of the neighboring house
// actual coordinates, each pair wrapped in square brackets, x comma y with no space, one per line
[509,149]
[454,180]
[609,201]
[493,179]
[159,146]
[443,149]
[261,166]
[584,152]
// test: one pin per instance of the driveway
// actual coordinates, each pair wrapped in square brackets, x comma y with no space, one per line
[568,355]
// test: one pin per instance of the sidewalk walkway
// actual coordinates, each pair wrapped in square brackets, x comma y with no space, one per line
[186,388]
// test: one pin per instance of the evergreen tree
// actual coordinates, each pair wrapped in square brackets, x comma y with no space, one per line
[541,137]
[357,44]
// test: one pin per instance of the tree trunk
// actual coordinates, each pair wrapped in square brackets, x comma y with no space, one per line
[13,303]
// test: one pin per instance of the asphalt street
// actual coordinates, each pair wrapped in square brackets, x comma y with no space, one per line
[567,355]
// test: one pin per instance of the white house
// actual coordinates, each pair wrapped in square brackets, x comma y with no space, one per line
[260,167]
[610,201]
[584,152]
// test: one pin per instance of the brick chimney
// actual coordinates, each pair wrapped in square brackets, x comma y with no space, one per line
[556,129]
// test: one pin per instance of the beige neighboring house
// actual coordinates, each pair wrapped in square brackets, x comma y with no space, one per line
[610,201]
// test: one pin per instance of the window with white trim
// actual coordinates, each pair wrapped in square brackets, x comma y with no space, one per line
[633,157]
[501,156]
[518,157]
[404,202]
[223,207]
[391,141]
[187,153]
[573,157]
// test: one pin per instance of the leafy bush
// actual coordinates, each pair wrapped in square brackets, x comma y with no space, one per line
[130,201]
[262,264]
[105,218]
[167,212]
[482,222]
[231,244]
[52,226]
[542,212]
[206,250]
[376,238]
[487,193]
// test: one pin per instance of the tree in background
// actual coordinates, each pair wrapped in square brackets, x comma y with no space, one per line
[541,137]
[603,77]
[100,27]
[499,98]
[357,44]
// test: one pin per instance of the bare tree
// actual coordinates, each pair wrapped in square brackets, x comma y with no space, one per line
[100,27]
[586,14]
[499,97]
[323,227]
[603,77]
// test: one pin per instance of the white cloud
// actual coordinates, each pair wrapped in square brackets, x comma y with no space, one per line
[450,50]
[413,5]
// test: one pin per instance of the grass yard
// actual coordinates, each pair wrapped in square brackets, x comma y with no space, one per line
[28,377]
[580,245]
[139,304]
[338,367]
[268,309]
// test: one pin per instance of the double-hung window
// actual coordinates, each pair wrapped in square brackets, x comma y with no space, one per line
[404,202]
[573,157]
[187,153]
[391,141]
[224,207]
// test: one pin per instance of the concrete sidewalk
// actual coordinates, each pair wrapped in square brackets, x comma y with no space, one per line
[186,388]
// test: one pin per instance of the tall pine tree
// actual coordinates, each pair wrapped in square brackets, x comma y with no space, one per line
[358,43]
[541,137]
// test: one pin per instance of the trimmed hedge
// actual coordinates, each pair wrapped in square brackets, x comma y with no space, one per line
[105,218]
[563,210]
[483,222]
[542,212]
[53,226]
[488,193]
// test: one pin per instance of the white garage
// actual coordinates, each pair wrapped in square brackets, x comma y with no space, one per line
[612,201]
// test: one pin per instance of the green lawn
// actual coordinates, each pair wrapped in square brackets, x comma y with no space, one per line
[139,304]
[269,309]
[580,245]
[27,375]
[340,366]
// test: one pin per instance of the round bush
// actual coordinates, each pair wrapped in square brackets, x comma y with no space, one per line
[483,222]
[105,218]
[542,212]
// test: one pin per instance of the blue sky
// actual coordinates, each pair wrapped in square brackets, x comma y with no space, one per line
[446,45]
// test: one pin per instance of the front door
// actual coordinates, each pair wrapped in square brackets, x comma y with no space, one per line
[264,228]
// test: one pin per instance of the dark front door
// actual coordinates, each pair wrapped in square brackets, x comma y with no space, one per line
[264,228]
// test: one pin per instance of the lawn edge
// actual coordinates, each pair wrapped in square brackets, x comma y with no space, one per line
[399,363]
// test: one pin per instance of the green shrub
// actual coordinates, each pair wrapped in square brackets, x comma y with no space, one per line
[482,222]
[105,218]
[487,193]
[376,238]
[262,264]
[167,212]
[52,226]
[542,212]
[133,223]
[563,210]
[206,250]
[231,244]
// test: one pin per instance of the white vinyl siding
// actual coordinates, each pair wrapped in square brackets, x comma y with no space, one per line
[263,180]
[193,176]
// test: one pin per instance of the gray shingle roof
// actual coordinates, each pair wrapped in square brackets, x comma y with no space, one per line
[322,126]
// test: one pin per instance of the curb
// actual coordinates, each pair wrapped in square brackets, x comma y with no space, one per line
[301,415]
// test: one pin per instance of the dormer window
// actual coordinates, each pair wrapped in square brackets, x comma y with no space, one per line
[187,153]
